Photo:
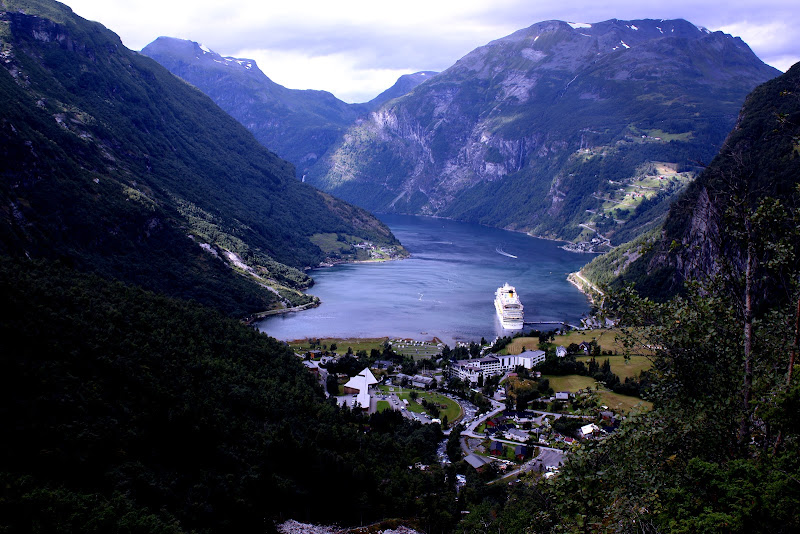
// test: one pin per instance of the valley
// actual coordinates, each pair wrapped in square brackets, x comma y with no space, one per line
[204,327]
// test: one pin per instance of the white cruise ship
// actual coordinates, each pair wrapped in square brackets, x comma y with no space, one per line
[509,308]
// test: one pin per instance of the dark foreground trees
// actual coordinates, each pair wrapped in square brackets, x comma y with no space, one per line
[123,411]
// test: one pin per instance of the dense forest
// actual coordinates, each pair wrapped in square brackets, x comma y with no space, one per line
[125,411]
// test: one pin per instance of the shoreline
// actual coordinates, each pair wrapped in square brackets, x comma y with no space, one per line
[529,234]
[581,283]
[258,316]
[566,245]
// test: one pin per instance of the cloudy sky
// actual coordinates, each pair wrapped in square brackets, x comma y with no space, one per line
[358,48]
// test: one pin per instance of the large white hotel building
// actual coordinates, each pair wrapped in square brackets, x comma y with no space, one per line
[495,364]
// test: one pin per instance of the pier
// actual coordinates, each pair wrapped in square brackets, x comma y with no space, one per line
[560,323]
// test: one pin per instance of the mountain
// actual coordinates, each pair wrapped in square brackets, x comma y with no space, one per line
[404,85]
[298,125]
[113,165]
[759,160]
[563,130]
[718,449]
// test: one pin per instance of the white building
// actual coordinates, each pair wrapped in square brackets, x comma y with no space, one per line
[588,430]
[359,385]
[517,435]
[495,364]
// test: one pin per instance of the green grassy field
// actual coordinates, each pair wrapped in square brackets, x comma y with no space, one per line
[383,405]
[417,352]
[623,403]
[615,401]
[453,410]
[620,367]
[516,346]
[330,243]
[607,338]
[571,383]
[356,344]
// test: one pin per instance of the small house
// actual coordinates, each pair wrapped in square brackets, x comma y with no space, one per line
[424,382]
[561,351]
[312,366]
[496,448]
[589,430]
[476,462]
[521,452]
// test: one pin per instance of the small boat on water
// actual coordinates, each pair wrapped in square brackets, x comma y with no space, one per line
[509,308]
[504,253]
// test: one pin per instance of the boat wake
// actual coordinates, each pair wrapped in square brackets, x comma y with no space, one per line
[504,253]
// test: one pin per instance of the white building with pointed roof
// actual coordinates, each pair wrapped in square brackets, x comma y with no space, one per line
[359,385]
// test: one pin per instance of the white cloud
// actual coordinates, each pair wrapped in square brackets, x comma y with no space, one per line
[770,39]
[336,73]
[357,48]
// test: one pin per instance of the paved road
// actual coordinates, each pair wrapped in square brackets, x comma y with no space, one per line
[588,283]
[548,457]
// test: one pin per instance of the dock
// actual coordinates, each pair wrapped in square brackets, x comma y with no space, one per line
[560,323]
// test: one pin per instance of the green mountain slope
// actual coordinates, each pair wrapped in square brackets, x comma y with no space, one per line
[760,158]
[300,126]
[561,130]
[111,163]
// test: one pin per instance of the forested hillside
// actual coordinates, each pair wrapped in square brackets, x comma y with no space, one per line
[114,165]
[124,411]
[298,125]
[720,451]
[728,207]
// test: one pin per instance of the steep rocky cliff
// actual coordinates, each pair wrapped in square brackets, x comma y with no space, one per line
[545,130]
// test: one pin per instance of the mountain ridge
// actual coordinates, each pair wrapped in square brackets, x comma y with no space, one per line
[112,164]
[299,125]
[760,159]
[530,118]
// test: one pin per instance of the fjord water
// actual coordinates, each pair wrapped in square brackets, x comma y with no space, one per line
[445,289]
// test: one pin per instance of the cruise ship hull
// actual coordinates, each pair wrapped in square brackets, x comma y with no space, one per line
[509,308]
